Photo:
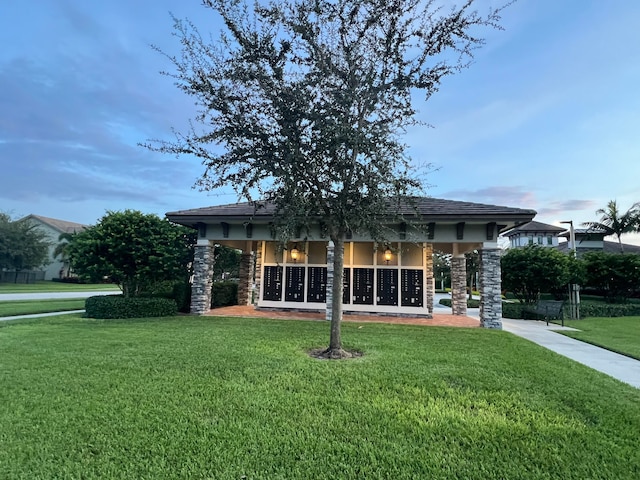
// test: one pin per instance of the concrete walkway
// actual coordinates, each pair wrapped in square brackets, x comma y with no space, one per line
[38,315]
[618,366]
[54,295]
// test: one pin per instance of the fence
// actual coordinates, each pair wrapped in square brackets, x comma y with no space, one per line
[30,276]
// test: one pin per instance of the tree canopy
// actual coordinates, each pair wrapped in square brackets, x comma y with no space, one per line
[304,102]
[615,276]
[23,245]
[132,249]
[534,269]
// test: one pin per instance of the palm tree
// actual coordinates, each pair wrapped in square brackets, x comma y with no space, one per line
[61,251]
[615,223]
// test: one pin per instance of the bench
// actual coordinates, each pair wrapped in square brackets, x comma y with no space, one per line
[548,309]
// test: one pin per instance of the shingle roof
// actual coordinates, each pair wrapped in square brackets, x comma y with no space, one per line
[534,227]
[63,226]
[591,233]
[432,208]
[608,247]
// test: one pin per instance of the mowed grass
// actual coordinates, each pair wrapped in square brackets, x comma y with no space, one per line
[27,307]
[188,397]
[619,334]
[48,286]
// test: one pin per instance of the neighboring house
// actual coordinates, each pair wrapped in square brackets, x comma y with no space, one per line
[590,240]
[53,228]
[534,233]
[393,278]
[543,234]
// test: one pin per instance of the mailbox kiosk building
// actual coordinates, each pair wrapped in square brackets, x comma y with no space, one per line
[393,278]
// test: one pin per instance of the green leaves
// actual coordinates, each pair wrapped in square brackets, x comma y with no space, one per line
[134,250]
[22,244]
[531,270]
[616,276]
[304,102]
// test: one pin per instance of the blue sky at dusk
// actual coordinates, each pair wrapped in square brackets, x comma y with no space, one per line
[548,116]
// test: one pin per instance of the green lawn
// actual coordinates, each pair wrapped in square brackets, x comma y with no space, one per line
[27,307]
[47,286]
[187,397]
[619,334]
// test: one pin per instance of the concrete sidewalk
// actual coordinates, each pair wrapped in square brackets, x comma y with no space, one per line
[38,315]
[618,366]
[54,295]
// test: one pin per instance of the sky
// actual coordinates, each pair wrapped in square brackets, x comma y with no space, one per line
[546,118]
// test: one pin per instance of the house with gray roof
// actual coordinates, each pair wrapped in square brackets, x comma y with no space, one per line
[534,233]
[53,227]
[393,278]
[593,240]
[545,235]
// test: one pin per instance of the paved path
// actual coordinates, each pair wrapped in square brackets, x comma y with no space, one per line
[54,295]
[618,366]
[38,315]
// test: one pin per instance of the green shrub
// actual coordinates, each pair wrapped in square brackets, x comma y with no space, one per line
[597,309]
[182,295]
[117,306]
[224,294]
[513,310]
[473,303]
[68,280]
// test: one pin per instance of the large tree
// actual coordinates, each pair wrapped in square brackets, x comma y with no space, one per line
[615,222]
[303,104]
[616,276]
[531,270]
[23,245]
[134,250]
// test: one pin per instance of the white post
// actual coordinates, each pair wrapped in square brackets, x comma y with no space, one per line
[574,289]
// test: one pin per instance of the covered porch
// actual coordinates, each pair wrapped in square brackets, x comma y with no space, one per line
[393,279]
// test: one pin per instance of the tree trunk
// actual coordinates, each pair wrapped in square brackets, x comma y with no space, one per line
[335,341]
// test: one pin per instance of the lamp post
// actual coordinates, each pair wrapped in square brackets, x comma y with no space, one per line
[574,289]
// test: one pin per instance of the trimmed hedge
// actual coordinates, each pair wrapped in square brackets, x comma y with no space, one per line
[117,306]
[587,309]
[224,294]
[596,309]
[513,310]
[473,303]
[182,295]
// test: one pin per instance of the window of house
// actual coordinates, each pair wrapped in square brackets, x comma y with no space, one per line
[549,240]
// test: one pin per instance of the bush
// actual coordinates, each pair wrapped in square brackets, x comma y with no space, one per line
[224,294]
[473,303]
[117,306]
[182,295]
[587,309]
[513,310]
[68,280]
[598,309]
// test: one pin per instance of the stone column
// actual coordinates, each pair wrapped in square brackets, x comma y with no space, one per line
[329,300]
[258,273]
[428,272]
[459,285]
[490,288]
[203,262]
[246,278]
